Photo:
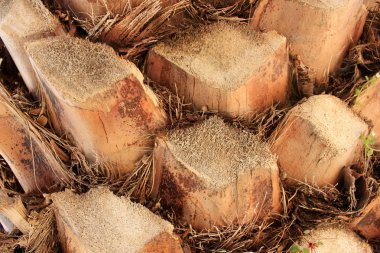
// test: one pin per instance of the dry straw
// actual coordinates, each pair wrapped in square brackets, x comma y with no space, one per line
[44,236]
[136,29]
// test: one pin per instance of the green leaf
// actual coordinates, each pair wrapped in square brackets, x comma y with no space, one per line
[370,152]
[306,250]
[357,91]
[366,78]
[294,249]
[371,138]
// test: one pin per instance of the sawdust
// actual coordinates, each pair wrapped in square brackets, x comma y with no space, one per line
[336,239]
[221,55]
[108,224]
[38,17]
[79,69]
[219,153]
[332,120]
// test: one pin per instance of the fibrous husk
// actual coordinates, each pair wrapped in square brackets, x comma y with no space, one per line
[8,243]
[356,187]
[7,178]
[15,211]
[43,237]
[137,29]
[303,78]
[202,11]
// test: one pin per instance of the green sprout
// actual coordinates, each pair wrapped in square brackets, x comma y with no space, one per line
[369,82]
[311,247]
[368,142]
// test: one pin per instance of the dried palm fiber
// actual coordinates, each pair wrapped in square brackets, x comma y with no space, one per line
[26,152]
[8,243]
[14,210]
[206,11]
[131,27]
[43,237]
[7,178]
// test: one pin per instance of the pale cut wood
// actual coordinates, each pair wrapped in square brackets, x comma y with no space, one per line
[100,222]
[224,67]
[99,98]
[320,32]
[34,166]
[317,139]
[368,223]
[23,21]
[6,224]
[14,210]
[207,201]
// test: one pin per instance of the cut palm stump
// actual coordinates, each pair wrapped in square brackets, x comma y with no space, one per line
[320,32]
[333,239]
[22,21]
[100,222]
[215,175]
[317,139]
[31,161]
[367,105]
[14,211]
[224,67]
[368,223]
[99,98]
